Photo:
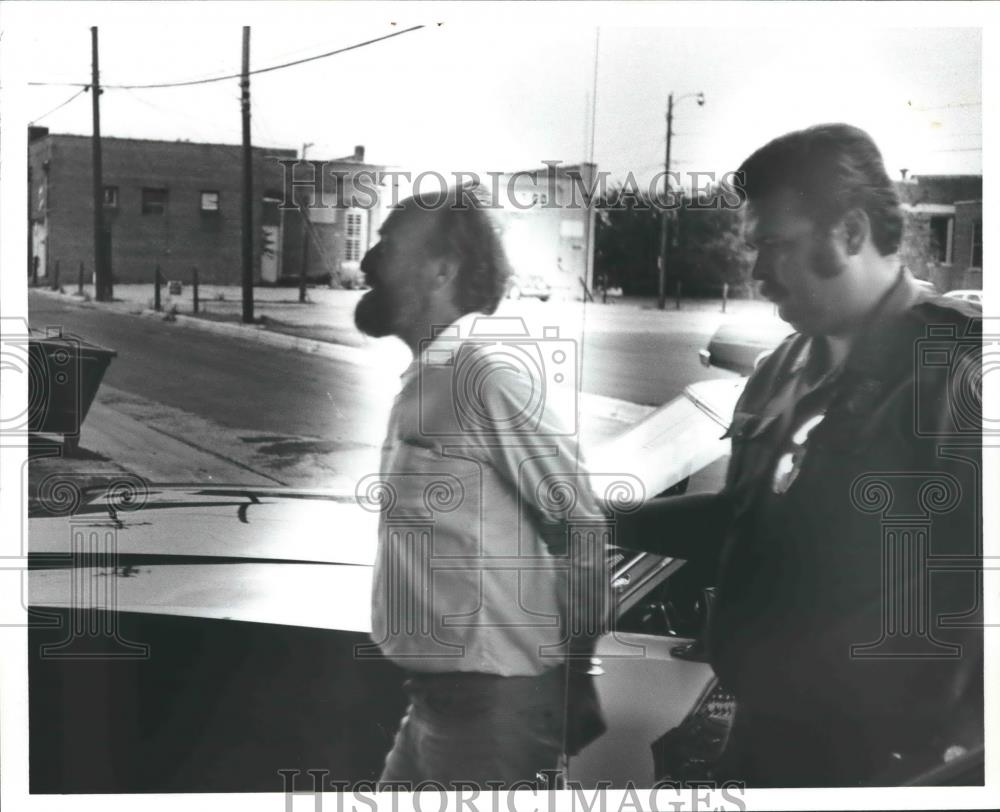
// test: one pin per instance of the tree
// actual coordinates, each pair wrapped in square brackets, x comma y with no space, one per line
[708,249]
[627,243]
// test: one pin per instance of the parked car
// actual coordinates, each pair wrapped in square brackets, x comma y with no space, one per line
[532,286]
[974,296]
[215,639]
[201,638]
[740,345]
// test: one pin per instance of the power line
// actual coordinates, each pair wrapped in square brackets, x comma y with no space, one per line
[236,75]
[945,106]
[60,106]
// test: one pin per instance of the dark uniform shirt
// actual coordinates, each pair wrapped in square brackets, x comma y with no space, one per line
[848,485]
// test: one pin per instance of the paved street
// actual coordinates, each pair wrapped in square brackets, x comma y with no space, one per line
[298,419]
[183,404]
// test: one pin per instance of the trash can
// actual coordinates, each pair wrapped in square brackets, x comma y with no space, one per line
[65,373]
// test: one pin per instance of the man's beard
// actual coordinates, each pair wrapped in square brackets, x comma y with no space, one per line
[373,315]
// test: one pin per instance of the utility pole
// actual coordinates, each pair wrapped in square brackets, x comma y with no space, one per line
[31,224]
[665,214]
[247,183]
[304,214]
[102,283]
[667,221]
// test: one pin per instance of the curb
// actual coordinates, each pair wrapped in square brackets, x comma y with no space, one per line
[602,406]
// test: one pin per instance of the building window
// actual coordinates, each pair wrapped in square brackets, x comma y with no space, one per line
[942,232]
[210,201]
[154,201]
[977,244]
[353,236]
[111,197]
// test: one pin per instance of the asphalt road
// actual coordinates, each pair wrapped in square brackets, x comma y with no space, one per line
[643,357]
[225,380]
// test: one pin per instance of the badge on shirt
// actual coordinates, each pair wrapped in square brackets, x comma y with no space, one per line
[790,463]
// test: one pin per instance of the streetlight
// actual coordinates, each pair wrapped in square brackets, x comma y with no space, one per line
[665,220]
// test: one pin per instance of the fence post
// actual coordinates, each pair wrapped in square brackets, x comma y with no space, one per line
[79,279]
[55,276]
[194,286]
[725,295]
[34,271]
[677,295]
[156,289]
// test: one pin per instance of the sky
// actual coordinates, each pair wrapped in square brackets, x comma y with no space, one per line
[507,91]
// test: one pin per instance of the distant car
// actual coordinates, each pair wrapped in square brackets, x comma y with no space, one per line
[530,286]
[739,346]
[926,285]
[974,296]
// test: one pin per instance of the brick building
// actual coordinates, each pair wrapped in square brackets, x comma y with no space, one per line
[178,205]
[345,211]
[943,237]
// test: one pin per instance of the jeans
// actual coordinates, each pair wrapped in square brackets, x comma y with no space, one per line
[478,728]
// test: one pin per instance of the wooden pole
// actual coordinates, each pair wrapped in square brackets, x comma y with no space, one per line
[103,291]
[247,183]
[665,221]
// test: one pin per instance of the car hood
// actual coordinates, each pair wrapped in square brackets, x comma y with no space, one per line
[673,441]
[297,558]
[184,522]
[293,557]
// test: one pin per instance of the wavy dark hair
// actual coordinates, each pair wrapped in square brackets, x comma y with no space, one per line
[463,231]
[832,168]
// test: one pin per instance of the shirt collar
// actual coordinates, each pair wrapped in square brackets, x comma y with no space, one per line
[443,338]
[874,343]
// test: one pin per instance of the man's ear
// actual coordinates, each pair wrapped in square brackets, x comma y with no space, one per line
[444,272]
[856,227]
